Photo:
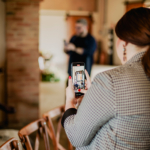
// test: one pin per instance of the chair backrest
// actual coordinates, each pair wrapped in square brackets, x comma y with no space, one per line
[38,126]
[55,137]
[11,144]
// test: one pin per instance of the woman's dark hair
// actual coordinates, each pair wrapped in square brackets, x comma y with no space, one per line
[134,27]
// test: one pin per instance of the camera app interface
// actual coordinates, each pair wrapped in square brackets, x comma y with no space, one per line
[78,77]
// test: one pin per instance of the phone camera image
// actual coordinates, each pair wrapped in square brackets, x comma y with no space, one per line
[78,77]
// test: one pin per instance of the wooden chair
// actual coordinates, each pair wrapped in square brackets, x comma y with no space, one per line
[40,127]
[11,144]
[55,137]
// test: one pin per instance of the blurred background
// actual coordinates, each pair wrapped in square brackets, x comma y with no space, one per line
[33,65]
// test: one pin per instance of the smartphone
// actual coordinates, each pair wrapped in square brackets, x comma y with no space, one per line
[78,77]
[65,43]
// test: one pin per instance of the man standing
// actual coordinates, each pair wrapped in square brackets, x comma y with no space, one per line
[81,46]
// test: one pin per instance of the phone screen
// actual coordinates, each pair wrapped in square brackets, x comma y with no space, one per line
[78,77]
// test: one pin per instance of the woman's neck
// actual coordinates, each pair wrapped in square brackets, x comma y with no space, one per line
[132,50]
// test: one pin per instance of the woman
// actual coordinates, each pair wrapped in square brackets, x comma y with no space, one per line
[115,111]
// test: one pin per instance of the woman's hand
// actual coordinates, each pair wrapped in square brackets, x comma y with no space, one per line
[78,100]
[71,100]
[87,83]
[70,95]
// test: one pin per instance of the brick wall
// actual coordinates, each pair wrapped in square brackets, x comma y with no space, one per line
[22,33]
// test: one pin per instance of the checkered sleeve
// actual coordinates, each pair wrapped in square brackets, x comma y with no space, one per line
[96,108]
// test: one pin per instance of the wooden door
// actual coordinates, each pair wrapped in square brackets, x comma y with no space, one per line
[71,21]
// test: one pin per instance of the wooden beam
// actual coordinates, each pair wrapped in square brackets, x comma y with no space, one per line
[126,2]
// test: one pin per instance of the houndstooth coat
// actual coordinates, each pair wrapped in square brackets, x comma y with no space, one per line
[115,112]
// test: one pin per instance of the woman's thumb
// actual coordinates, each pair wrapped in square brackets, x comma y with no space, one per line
[83,91]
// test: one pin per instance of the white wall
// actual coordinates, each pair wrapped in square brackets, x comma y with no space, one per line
[115,10]
[52,33]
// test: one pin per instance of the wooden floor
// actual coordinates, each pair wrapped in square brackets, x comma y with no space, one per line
[51,95]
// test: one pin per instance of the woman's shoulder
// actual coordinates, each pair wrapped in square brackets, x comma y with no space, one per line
[116,72]
[124,71]
[110,72]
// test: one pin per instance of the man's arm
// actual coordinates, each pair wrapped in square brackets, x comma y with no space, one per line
[89,49]
[79,50]
[66,51]
[70,46]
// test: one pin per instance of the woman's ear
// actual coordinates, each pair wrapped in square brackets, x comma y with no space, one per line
[125,43]
[119,41]
[119,47]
